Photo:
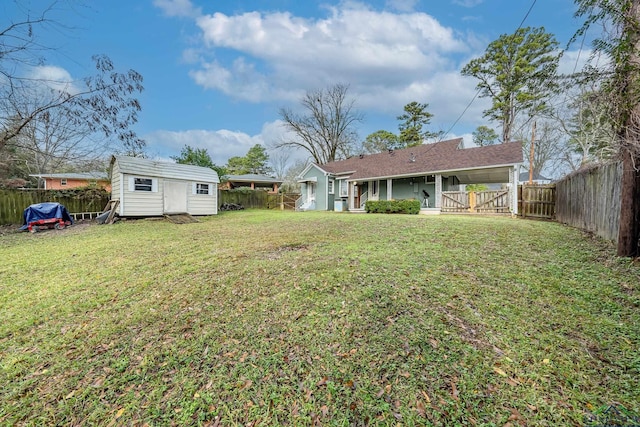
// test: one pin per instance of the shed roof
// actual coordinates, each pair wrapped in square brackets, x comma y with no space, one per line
[252,177]
[160,169]
[438,157]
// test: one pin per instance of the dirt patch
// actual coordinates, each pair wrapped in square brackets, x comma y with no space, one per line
[287,248]
[9,229]
[77,227]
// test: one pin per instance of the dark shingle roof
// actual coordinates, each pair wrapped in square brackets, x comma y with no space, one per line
[252,178]
[96,175]
[427,158]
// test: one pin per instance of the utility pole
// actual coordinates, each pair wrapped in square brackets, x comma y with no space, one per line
[532,152]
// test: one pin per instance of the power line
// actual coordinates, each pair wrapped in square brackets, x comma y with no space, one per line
[527,15]
[464,111]
[478,91]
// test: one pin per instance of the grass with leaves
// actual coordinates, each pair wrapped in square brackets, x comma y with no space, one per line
[261,318]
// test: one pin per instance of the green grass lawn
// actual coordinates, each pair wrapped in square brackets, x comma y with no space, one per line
[262,318]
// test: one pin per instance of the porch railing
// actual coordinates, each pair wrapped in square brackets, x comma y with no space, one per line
[298,203]
[363,199]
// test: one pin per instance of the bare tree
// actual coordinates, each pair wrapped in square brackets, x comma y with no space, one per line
[51,141]
[279,162]
[586,120]
[104,103]
[326,129]
[550,147]
[290,182]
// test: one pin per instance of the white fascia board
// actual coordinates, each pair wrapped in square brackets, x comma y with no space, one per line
[440,172]
[122,210]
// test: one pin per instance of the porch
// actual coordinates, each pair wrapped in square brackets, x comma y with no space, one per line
[466,202]
[440,193]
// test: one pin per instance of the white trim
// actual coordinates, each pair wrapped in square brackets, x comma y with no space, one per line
[442,172]
[132,186]
[311,179]
[340,193]
[121,205]
[194,188]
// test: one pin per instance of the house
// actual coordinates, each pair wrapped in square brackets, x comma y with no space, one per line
[62,181]
[537,178]
[146,188]
[253,181]
[424,172]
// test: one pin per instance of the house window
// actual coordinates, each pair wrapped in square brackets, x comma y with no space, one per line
[330,186]
[63,181]
[344,188]
[374,188]
[202,188]
[142,184]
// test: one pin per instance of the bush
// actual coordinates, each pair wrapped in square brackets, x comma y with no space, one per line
[407,206]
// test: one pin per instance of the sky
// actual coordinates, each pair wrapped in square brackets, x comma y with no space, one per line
[217,72]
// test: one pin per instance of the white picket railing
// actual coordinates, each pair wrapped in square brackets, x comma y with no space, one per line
[363,199]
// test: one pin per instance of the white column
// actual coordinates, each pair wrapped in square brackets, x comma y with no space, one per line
[389,189]
[352,196]
[438,190]
[514,175]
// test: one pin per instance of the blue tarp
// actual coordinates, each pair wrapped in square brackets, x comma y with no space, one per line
[48,210]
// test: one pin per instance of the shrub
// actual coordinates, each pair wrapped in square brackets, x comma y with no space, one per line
[407,206]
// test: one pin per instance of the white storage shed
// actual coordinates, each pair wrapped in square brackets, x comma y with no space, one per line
[152,188]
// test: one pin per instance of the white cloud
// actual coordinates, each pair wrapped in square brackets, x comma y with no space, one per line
[220,144]
[277,56]
[53,77]
[575,60]
[182,8]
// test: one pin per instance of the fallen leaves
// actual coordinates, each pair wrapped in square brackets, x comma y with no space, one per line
[499,371]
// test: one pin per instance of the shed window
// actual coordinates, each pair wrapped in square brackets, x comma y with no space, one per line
[63,181]
[202,188]
[330,186]
[344,188]
[142,184]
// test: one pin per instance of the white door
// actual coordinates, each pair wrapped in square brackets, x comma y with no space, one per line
[175,196]
[311,191]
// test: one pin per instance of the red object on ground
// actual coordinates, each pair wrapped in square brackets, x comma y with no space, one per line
[57,223]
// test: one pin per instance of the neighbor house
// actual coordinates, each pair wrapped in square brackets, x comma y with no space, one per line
[62,181]
[537,178]
[145,188]
[425,173]
[253,181]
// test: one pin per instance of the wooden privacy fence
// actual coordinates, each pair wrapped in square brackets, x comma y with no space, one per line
[258,199]
[14,202]
[537,201]
[485,202]
[590,200]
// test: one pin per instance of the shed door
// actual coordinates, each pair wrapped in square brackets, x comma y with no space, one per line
[175,196]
